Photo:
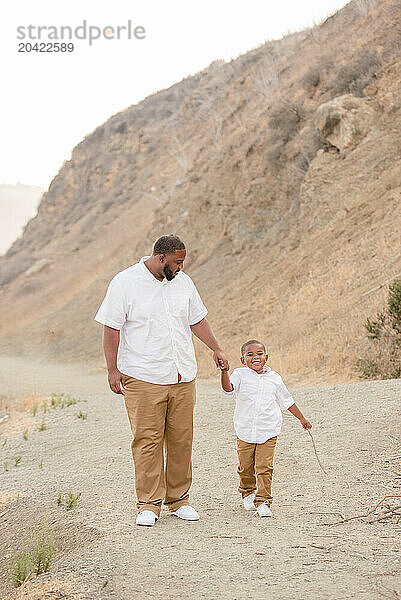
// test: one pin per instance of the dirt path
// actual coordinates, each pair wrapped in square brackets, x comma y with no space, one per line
[229,554]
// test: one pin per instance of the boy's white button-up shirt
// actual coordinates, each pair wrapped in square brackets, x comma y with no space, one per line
[259,398]
[154,319]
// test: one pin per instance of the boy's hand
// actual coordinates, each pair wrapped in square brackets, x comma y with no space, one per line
[305,424]
[223,366]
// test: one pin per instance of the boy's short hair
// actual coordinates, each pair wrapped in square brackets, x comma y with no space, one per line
[248,343]
[168,244]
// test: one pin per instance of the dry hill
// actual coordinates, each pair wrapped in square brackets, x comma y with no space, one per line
[281,172]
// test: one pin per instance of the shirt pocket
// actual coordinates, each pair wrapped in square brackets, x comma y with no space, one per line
[179,304]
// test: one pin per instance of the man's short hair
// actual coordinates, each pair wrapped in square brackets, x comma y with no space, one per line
[168,244]
[249,343]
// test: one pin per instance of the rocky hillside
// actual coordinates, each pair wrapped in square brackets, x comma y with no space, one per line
[281,172]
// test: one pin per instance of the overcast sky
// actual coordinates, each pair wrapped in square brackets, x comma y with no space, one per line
[50,101]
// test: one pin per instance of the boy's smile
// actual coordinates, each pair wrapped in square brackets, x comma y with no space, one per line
[255,357]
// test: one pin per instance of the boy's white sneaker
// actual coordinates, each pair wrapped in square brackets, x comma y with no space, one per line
[187,513]
[263,510]
[147,518]
[248,502]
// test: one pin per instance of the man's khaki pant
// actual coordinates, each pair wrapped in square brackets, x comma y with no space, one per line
[255,469]
[161,419]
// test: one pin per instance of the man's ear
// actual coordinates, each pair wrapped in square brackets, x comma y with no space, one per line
[161,257]
[242,360]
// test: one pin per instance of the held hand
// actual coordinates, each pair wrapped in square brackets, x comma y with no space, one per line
[220,360]
[116,381]
[305,424]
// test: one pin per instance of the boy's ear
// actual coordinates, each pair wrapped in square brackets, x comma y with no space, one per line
[242,360]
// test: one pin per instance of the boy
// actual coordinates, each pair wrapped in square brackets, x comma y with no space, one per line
[257,421]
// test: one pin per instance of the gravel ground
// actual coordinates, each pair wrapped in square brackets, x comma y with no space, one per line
[229,553]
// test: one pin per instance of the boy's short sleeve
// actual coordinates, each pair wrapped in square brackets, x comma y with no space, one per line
[235,381]
[113,310]
[283,396]
[197,310]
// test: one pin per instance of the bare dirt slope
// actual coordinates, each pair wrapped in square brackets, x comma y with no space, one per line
[229,554]
[236,161]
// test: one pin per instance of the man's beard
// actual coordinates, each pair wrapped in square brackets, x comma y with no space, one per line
[168,273]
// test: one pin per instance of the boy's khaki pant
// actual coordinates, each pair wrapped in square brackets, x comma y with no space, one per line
[161,419]
[255,469]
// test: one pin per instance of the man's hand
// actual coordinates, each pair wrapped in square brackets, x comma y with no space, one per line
[116,381]
[305,424]
[220,360]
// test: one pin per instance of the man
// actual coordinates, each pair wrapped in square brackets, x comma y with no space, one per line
[149,314]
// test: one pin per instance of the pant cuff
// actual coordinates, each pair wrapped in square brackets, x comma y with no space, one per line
[245,494]
[259,502]
[154,508]
[173,506]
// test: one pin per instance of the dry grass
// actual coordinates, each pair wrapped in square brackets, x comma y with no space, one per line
[10,496]
[47,587]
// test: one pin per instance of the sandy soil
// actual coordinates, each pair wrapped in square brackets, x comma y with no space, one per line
[229,553]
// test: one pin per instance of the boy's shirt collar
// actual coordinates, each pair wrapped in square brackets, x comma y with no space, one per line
[266,369]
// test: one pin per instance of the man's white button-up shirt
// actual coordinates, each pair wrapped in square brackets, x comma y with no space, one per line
[154,319]
[259,398]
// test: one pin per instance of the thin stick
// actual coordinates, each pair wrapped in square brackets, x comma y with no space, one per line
[388,513]
[314,448]
[228,537]
[369,511]
[378,287]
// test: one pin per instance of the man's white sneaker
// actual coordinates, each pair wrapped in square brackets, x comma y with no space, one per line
[263,510]
[147,518]
[187,513]
[248,502]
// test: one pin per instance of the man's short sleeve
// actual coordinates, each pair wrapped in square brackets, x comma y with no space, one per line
[113,309]
[235,381]
[284,398]
[197,310]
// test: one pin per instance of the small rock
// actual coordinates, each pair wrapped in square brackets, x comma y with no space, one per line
[344,121]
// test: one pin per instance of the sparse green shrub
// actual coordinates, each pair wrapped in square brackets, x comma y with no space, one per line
[41,463]
[69,500]
[33,559]
[35,407]
[43,548]
[353,77]
[5,465]
[62,400]
[21,567]
[25,434]
[17,460]
[81,415]
[42,425]
[384,339]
